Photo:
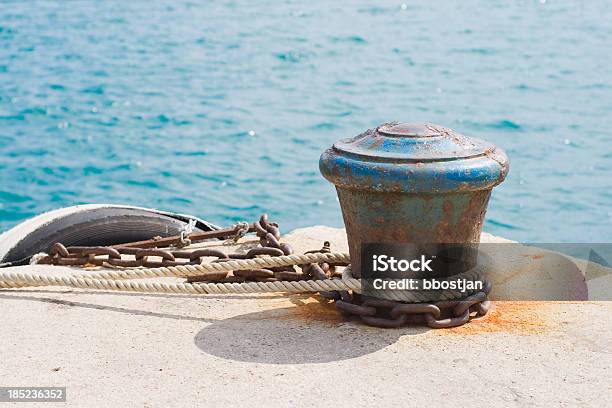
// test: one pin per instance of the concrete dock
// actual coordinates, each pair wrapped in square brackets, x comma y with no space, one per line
[124,349]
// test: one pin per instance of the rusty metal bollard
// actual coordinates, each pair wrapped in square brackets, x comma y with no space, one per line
[412,183]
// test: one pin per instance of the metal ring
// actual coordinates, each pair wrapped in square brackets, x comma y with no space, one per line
[413,308]
[374,302]
[385,323]
[259,230]
[254,273]
[483,308]
[141,253]
[316,272]
[289,276]
[286,248]
[465,304]
[449,322]
[355,309]
[201,253]
[97,250]
[59,249]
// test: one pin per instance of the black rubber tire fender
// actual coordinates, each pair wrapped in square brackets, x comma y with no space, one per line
[97,226]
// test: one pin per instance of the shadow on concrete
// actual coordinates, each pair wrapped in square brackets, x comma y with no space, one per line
[309,332]
[135,312]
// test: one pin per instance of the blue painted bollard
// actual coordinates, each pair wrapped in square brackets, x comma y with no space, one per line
[412,183]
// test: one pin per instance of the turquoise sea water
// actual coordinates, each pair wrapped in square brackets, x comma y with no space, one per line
[222,110]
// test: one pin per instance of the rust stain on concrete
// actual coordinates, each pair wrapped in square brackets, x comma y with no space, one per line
[522,318]
[514,317]
[303,308]
[311,310]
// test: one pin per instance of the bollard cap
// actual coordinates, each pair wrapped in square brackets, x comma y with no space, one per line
[414,158]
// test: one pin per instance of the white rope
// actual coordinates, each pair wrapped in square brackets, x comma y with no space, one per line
[187,229]
[116,279]
[17,280]
[122,280]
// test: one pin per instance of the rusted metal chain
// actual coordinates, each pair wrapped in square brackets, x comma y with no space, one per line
[151,256]
[372,311]
[158,242]
[437,315]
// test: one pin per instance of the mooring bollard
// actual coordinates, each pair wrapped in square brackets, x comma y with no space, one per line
[412,183]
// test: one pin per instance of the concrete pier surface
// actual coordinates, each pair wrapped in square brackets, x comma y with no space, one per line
[125,349]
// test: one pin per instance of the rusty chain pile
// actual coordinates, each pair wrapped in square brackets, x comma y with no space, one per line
[391,314]
[269,239]
[370,310]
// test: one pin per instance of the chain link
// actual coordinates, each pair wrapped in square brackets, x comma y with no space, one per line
[372,311]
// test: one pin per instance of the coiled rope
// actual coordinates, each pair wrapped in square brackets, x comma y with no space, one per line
[122,280]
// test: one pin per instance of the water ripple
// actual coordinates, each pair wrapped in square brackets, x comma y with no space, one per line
[222,110]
